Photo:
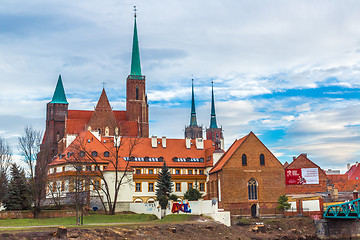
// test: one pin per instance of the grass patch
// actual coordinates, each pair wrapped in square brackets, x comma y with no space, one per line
[66,221]
[176,218]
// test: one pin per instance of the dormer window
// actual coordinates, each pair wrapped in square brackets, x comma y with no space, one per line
[106,154]
[94,154]
[161,159]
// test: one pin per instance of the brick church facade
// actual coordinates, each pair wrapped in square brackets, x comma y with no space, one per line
[134,122]
[248,179]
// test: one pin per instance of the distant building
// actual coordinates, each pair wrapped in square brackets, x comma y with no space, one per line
[248,179]
[332,172]
[314,181]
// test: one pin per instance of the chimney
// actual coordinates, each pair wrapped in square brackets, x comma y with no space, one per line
[348,166]
[199,143]
[154,141]
[357,163]
[188,142]
[294,158]
[164,142]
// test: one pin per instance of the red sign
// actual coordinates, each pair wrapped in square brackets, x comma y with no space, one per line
[293,177]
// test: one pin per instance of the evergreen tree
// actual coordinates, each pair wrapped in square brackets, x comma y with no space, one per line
[283,203]
[18,196]
[192,194]
[164,185]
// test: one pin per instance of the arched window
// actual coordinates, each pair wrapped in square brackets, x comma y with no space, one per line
[137,92]
[262,160]
[94,153]
[244,159]
[106,154]
[252,189]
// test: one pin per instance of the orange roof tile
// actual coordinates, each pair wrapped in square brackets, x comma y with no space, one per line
[222,161]
[142,149]
[354,172]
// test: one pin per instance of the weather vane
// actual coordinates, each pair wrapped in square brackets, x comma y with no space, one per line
[135,11]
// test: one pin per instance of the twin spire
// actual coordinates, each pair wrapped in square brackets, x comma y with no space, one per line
[59,93]
[193,121]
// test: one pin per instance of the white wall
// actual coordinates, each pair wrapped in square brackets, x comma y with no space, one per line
[126,190]
[204,207]
[311,205]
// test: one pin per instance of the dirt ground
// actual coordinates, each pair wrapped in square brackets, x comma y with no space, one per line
[198,228]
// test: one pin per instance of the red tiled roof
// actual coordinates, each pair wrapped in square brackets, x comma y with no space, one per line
[354,172]
[222,161]
[143,148]
[349,186]
[78,119]
[338,180]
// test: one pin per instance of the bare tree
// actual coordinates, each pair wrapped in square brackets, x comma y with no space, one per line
[5,161]
[29,146]
[108,190]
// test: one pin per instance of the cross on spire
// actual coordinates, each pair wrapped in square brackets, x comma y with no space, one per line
[103,83]
[135,11]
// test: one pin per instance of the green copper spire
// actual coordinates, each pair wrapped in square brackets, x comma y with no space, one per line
[59,94]
[193,121]
[213,115]
[135,57]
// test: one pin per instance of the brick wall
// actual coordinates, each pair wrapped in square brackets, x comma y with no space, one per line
[234,179]
[30,214]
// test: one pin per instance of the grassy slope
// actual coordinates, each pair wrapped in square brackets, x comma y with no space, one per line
[94,218]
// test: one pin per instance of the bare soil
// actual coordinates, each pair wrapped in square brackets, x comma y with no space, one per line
[198,228]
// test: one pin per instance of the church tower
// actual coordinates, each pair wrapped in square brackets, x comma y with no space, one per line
[193,130]
[214,133]
[56,114]
[137,108]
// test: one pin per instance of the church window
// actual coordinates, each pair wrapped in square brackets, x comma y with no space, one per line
[262,160]
[106,154]
[252,189]
[94,153]
[244,160]
[137,92]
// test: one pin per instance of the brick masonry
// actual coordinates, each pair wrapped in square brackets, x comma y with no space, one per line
[234,179]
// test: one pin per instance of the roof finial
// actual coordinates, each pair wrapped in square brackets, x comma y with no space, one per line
[135,11]
[103,83]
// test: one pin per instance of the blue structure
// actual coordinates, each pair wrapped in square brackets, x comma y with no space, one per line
[347,210]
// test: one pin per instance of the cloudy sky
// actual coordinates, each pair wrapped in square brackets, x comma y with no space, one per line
[286,70]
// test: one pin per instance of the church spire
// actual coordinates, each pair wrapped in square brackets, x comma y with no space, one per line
[213,115]
[135,57]
[193,121]
[59,94]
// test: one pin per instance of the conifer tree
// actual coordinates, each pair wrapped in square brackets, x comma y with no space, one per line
[164,185]
[18,196]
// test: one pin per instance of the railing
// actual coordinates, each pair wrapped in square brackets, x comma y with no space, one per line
[349,210]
